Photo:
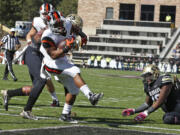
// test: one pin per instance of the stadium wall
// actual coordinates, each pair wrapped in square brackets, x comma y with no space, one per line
[94,11]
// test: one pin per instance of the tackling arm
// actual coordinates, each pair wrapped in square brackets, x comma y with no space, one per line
[83,37]
[165,90]
[30,34]
[144,106]
[1,43]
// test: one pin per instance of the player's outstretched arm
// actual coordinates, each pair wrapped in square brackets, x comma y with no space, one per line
[165,90]
[131,111]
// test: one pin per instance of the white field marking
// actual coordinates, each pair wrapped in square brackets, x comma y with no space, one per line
[40,117]
[57,93]
[116,87]
[111,100]
[158,128]
[83,103]
[122,125]
[16,98]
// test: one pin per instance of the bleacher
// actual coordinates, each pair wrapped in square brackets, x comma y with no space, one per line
[127,38]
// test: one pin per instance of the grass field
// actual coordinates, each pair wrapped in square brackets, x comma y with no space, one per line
[120,92]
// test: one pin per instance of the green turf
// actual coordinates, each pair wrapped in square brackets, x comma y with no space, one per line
[119,93]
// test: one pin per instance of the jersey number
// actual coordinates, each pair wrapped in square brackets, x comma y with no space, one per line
[155,97]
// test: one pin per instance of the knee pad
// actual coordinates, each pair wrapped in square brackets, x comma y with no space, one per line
[171,118]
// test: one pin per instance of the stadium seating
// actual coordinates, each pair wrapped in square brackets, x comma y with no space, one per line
[129,38]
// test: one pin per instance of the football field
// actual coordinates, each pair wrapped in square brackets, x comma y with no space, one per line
[122,89]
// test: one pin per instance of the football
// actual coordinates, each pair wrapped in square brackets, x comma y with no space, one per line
[61,44]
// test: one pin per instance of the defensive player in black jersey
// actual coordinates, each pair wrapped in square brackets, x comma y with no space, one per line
[161,91]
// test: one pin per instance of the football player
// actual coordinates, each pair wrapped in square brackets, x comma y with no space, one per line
[75,28]
[161,91]
[33,58]
[55,45]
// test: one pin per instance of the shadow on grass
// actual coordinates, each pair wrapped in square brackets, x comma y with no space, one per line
[101,107]
[112,122]
[78,106]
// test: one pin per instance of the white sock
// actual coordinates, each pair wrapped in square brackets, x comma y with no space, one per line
[54,97]
[85,89]
[67,109]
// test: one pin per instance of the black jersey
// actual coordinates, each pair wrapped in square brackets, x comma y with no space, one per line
[154,89]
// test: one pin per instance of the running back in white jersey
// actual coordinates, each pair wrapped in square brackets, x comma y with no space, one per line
[56,38]
[61,63]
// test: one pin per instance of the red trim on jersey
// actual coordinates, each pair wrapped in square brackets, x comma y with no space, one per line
[51,70]
[49,42]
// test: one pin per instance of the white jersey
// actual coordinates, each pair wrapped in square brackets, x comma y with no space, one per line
[38,23]
[40,26]
[56,38]
[61,63]
[68,26]
[63,69]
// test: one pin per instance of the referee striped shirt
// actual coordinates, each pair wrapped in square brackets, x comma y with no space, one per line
[10,42]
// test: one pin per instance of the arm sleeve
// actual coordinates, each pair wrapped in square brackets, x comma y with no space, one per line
[47,42]
[141,108]
[4,39]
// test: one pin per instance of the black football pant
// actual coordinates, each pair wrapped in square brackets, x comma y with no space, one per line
[9,55]
[33,59]
[172,117]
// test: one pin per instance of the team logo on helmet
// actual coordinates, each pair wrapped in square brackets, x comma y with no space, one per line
[76,20]
[150,72]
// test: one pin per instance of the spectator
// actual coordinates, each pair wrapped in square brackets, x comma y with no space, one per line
[117,61]
[92,61]
[98,58]
[108,59]
[168,18]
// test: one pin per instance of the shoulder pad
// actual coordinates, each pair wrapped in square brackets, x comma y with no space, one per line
[166,78]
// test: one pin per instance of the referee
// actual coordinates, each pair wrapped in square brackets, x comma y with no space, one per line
[10,43]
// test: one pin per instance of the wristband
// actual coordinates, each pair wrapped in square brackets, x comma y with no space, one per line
[146,112]
[29,41]
[65,49]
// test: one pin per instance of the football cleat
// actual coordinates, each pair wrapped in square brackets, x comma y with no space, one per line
[5,99]
[94,98]
[28,115]
[55,103]
[67,118]
[5,78]
[15,79]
